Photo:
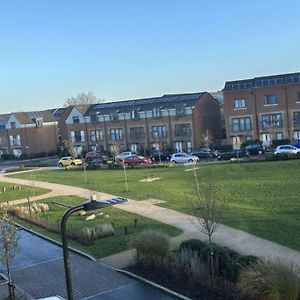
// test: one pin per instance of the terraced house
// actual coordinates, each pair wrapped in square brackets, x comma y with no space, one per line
[178,122]
[262,108]
[28,133]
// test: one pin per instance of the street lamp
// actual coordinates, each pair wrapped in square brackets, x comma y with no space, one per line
[88,205]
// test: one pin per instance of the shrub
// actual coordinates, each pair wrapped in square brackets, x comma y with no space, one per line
[152,247]
[270,281]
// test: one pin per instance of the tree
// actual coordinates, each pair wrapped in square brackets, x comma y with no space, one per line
[208,211]
[9,246]
[83,98]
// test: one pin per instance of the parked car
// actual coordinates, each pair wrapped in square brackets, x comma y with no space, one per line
[204,153]
[125,154]
[95,158]
[157,155]
[233,154]
[183,158]
[286,149]
[257,148]
[69,161]
[136,160]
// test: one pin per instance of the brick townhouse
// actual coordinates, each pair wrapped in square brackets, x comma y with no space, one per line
[178,122]
[28,133]
[262,108]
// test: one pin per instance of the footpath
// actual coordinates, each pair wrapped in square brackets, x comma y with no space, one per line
[237,240]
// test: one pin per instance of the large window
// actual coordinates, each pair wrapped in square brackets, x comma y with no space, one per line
[15,140]
[76,119]
[271,99]
[97,135]
[116,134]
[241,124]
[271,120]
[159,131]
[239,103]
[77,136]
[183,129]
[296,117]
[137,132]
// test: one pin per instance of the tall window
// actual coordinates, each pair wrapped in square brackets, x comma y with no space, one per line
[15,140]
[183,129]
[134,114]
[272,120]
[77,136]
[137,132]
[241,124]
[116,134]
[296,117]
[76,119]
[159,131]
[239,103]
[97,135]
[156,112]
[298,97]
[271,99]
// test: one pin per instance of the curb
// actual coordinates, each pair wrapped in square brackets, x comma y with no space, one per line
[153,284]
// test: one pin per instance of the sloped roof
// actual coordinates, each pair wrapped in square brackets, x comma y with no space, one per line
[29,117]
[264,81]
[3,120]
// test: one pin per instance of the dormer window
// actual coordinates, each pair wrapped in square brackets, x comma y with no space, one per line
[180,111]
[39,122]
[134,114]
[76,119]
[156,112]
[12,125]
[114,117]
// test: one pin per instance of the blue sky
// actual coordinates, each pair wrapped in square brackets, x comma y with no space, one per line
[51,50]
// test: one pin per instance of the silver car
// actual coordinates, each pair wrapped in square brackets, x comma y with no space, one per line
[183,158]
[286,149]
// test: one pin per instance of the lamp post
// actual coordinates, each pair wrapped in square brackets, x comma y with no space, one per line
[88,205]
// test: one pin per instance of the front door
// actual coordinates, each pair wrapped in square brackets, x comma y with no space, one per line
[266,139]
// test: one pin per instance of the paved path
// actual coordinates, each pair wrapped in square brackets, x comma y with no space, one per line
[237,240]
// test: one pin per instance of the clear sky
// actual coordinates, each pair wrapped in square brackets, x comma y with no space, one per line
[122,49]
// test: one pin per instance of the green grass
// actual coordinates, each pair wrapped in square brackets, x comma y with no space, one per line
[105,246]
[261,198]
[14,192]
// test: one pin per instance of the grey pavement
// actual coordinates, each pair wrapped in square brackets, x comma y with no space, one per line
[39,271]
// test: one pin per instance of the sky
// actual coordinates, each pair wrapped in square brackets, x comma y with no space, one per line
[126,49]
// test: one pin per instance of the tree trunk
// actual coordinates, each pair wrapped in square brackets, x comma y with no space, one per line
[211,257]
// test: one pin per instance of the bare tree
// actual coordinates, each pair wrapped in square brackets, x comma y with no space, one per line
[9,246]
[208,212]
[207,140]
[83,98]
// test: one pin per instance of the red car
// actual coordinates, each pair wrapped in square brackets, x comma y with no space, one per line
[136,160]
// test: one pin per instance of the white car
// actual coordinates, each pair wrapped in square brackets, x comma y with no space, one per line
[286,149]
[183,158]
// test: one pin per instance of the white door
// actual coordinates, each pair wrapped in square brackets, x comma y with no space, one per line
[266,139]
[189,147]
[297,134]
[178,147]
[133,147]
[236,142]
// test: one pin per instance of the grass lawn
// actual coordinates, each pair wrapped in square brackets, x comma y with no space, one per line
[105,246]
[261,198]
[10,192]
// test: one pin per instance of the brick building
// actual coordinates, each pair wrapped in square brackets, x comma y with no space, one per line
[28,133]
[178,122]
[262,108]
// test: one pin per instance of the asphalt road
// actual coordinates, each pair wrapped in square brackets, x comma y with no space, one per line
[7,164]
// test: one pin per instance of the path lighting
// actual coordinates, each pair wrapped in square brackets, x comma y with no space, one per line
[88,205]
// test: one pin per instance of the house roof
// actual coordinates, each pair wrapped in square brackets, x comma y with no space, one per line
[167,101]
[264,81]
[29,117]
[3,120]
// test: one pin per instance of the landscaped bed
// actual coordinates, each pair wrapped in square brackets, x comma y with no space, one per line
[10,192]
[101,247]
[261,198]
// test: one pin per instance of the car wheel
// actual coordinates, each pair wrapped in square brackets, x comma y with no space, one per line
[173,161]
[60,164]
[190,160]
[72,164]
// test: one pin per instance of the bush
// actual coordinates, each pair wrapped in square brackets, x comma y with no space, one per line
[152,247]
[271,281]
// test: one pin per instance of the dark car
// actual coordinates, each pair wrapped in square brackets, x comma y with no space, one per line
[204,153]
[257,148]
[157,155]
[233,154]
[95,158]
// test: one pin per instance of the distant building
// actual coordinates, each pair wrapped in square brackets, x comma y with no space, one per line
[262,108]
[177,122]
[28,133]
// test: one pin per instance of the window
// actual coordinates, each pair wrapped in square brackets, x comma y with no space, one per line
[248,138]
[180,111]
[241,124]
[271,99]
[298,97]
[134,114]
[239,103]
[178,147]
[159,131]
[297,134]
[39,122]
[189,147]
[116,134]
[12,125]
[156,112]
[279,136]
[77,136]
[76,119]
[183,129]
[137,132]
[2,140]
[97,135]
[272,120]
[296,117]
[15,140]
[114,117]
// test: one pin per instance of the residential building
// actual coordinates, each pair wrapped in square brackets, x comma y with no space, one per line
[178,122]
[262,108]
[28,133]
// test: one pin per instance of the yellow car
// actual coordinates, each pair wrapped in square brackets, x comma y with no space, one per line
[69,161]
